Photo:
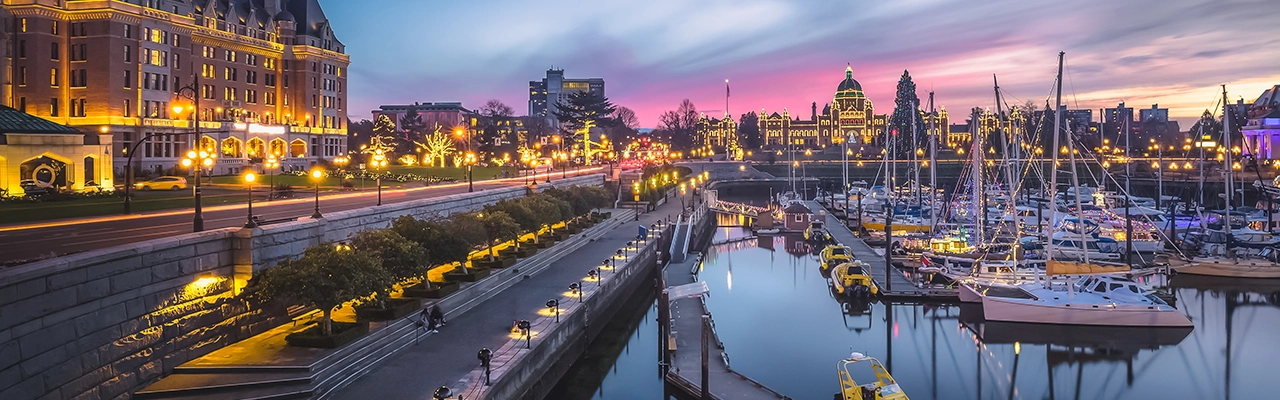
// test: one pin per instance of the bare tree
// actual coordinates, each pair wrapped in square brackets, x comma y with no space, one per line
[682,125]
[626,118]
[495,108]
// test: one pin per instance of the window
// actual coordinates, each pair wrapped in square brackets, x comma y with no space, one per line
[128,109]
[270,98]
[79,78]
[77,107]
[22,76]
[53,53]
[177,86]
[174,42]
[251,59]
[251,96]
[24,24]
[231,55]
[53,107]
[128,30]
[128,54]
[314,84]
[22,104]
[55,28]
[78,51]
[269,63]
[53,77]
[208,71]
[270,80]
[207,52]
[176,64]
[230,74]
[22,45]
[286,81]
[229,94]
[78,29]
[250,77]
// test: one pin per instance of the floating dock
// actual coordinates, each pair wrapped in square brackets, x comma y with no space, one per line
[893,284]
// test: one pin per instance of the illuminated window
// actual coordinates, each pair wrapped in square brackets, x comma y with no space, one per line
[128,53]
[24,25]
[53,77]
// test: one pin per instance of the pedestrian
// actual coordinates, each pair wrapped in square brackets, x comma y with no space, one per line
[431,326]
[437,315]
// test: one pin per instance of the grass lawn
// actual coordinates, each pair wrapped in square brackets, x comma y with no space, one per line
[28,212]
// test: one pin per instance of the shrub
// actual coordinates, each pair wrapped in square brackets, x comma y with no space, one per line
[324,277]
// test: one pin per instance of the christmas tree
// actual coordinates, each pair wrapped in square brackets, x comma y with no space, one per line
[906,109]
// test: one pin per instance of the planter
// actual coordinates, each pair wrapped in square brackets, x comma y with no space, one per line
[574,229]
[496,263]
[475,275]
[561,235]
[545,242]
[526,250]
[343,333]
[438,290]
[396,308]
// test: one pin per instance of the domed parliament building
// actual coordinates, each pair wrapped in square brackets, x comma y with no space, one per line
[850,115]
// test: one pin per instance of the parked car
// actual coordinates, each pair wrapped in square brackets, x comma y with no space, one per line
[30,188]
[162,183]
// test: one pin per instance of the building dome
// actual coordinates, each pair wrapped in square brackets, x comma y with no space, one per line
[284,15]
[849,87]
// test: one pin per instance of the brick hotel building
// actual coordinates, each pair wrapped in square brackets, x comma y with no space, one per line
[270,77]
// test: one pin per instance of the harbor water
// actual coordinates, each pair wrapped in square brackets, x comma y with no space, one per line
[782,326]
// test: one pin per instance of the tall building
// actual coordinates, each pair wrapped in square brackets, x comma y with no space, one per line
[544,95]
[850,116]
[264,77]
[717,132]
[1262,131]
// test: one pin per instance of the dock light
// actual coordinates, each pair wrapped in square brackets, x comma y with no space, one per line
[525,326]
[575,289]
[554,305]
[592,274]
[442,393]
[485,356]
[615,263]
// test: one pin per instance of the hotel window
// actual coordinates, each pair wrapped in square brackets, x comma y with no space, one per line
[286,81]
[270,80]
[270,98]
[77,107]
[231,56]
[176,63]
[229,94]
[269,63]
[208,91]
[175,41]
[53,77]
[22,46]
[251,77]
[53,107]
[55,27]
[128,31]
[251,96]
[177,87]
[22,104]
[128,53]
[208,51]
[128,110]
[314,84]
[53,53]
[78,52]
[24,25]
[79,78]
[251,59]
[208,71]
[22,76]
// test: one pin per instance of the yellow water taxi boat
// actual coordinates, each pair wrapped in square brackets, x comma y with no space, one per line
[833,255]
[851,279]
[883,388]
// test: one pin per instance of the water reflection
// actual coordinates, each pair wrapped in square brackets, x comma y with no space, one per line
[781,325]
[782,313]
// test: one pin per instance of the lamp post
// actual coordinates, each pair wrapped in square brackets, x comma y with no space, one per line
[526,326]
[485,356]
[198,160]
[378,162]
[470,160]
[249,177]
[316,175]
[554,304]
[271,163]
[461,132]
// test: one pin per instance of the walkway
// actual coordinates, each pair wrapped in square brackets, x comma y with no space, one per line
[686,360]
[900,287]
[447,358]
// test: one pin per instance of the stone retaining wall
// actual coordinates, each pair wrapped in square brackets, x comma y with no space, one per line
[103,323]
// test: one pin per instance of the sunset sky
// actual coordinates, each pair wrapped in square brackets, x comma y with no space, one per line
[778,54]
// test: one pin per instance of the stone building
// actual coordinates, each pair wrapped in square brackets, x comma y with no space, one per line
[262,77]
[1262,132]
[39,155]
[850,116]
[719,133]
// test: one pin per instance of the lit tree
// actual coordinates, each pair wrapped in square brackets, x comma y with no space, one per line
[436,146]
[906,110]
[581,108]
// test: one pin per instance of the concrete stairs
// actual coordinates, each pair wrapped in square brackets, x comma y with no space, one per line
[336,368]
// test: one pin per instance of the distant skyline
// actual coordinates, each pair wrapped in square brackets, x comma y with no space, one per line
[788,54]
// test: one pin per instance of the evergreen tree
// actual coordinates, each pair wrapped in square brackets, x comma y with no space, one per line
[906,109]
[749,131]
[412,126]
[578,109]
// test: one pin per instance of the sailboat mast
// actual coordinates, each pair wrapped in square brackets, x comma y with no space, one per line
[933,166]
[1075,182]
[1128,202]
[979,206]
[915,160]
[1226,143]
[1004,143]
[1053,167]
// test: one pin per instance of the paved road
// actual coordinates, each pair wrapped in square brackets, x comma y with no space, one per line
[33,240]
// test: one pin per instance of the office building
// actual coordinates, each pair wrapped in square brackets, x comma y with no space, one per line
[544,95]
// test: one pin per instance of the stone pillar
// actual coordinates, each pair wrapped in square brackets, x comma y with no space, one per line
[242,257]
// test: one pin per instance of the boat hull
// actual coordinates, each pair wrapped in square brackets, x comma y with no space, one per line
[1232,270]
[1032,311]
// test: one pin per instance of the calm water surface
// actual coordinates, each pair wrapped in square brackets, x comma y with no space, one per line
[781,326]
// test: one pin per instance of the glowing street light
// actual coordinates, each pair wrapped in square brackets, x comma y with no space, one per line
[197,160]
[316,175]
[249,178]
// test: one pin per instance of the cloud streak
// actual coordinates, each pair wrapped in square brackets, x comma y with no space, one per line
[788,54]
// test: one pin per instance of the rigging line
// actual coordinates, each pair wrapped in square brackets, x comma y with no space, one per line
[1072,84]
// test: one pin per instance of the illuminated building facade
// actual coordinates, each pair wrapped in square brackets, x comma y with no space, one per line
[850,116]
[719,133]
[544,95]
[1262,131]
[443,115]
[270,75]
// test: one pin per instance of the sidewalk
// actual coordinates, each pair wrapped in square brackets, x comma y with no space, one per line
[448,357]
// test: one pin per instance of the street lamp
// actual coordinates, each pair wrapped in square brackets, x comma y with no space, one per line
[342,161]
[470,160]
[197,160]
[249,177]
[271,163]
[378,161]
[485,355]
[316,175]
[525,326]
[554,305]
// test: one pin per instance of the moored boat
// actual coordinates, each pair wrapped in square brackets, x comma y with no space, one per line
[883,388]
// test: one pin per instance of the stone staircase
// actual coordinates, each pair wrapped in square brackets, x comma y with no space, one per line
[333,369]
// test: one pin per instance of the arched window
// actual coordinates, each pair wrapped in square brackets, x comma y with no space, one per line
[278,147]
[232,147]
[208,144]
[297,148]
[257,148]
